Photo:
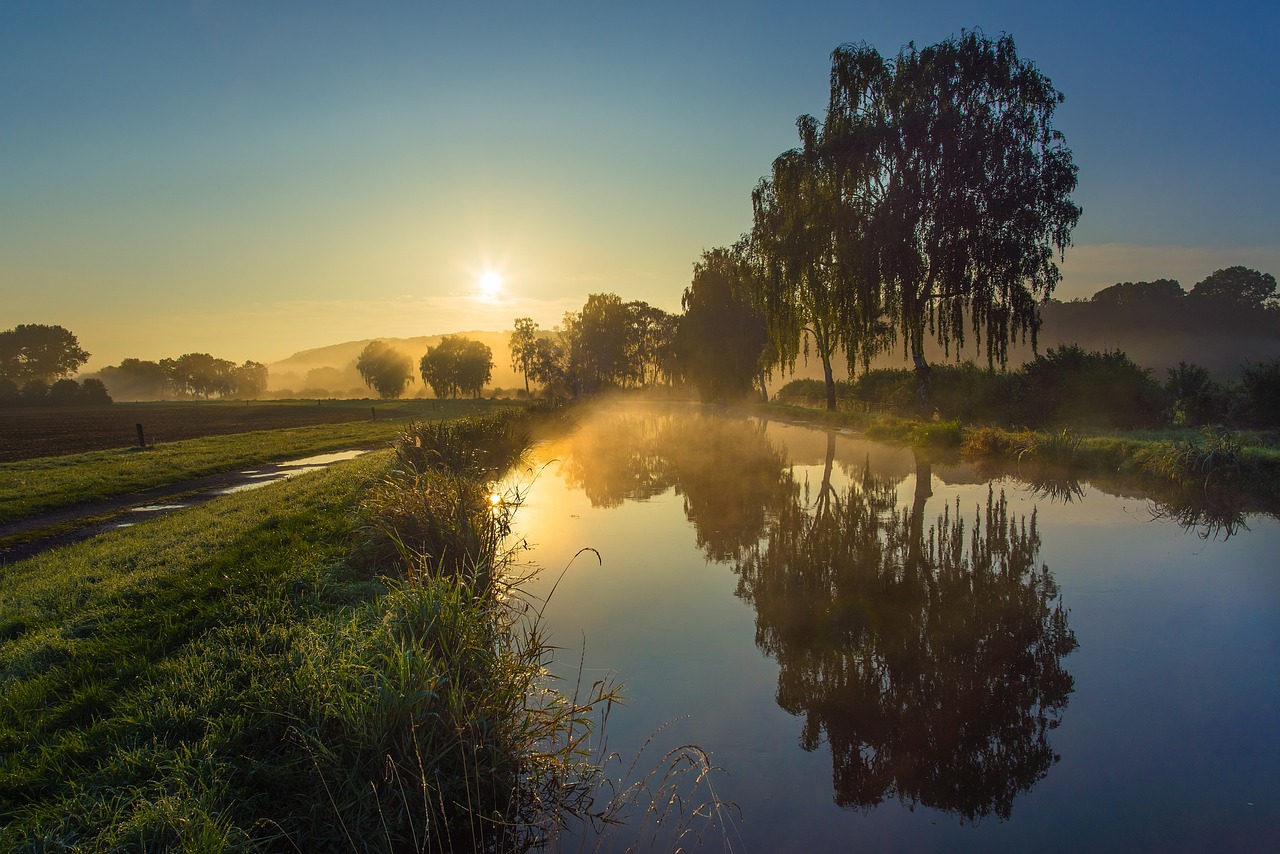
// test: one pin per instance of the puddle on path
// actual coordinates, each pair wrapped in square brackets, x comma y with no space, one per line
[243,481]
[179,497]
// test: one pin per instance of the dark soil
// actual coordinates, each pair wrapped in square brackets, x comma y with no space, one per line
[50,432]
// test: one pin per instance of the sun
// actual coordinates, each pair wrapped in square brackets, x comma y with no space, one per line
[490,283]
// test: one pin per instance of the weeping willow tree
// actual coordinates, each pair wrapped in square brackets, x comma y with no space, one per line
[809,289]
[954,190]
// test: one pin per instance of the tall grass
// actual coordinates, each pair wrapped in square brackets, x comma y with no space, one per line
[226,679]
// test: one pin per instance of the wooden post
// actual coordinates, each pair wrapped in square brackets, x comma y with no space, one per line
[373,412]
[142,439]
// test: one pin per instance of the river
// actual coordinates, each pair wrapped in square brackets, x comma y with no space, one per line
[887,653]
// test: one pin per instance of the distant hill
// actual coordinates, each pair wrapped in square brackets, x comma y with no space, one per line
[331,371]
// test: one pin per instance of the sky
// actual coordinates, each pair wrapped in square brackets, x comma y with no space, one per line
[253,179]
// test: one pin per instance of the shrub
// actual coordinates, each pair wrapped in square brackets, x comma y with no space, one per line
[35,392]
[1195,398]
[1073,387]
[1258,403]
[65,393]
[969,392]
[893,387]
[804,392]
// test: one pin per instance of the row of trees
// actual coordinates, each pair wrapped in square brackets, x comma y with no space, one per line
[63,392]
[36,362]
[609,343]
[457,365]
[197,375]
[931,202]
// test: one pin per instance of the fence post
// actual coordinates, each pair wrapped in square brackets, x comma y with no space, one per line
[142,440]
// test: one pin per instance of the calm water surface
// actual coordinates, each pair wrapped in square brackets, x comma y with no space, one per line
[889,654]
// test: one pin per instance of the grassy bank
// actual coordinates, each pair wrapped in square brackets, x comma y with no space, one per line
[32,487]
[1194,457]
[262,673]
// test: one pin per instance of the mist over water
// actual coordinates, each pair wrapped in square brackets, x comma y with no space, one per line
[886,652]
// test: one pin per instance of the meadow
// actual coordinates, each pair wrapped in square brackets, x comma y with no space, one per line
[262,672]
[98,457]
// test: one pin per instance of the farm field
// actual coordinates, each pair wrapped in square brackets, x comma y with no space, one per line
[34,480]
[26,433]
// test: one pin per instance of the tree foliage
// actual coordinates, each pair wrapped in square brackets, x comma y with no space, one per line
[457,365]
[1135,293]
[524,347]
[952,150]
[200,375]
[33,351]
[384,369]
[1237,286]
[135,379]
[721,340]
[608,343]
[808,235]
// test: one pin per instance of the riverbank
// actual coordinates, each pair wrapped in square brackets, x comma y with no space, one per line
[263,672]
[1208,458]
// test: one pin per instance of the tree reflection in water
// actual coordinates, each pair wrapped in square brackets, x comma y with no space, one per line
[931,661]
[731,477]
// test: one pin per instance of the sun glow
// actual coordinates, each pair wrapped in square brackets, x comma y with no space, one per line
[490,283]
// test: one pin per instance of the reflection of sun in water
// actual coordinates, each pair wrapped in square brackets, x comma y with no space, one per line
[490,284]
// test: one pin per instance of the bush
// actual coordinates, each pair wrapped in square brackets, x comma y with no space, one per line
[65,393]
[35,392]
[969,392]
[1069,386]
[893,387]
[805,392]
[1258,401]
[1195,398]
[94,392]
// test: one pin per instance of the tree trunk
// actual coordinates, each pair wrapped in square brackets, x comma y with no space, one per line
[764,389]
[923,391]
[831,383]
[923,491]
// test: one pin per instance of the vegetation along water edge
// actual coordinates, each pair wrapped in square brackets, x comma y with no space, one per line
[340,661]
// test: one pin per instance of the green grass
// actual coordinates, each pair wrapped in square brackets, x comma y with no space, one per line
[227,679]
[97,698]
[32,487]
[1204,457]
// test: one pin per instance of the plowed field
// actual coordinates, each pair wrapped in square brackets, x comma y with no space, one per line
[27,433]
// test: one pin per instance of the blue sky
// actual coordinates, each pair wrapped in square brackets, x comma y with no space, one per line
[252,179]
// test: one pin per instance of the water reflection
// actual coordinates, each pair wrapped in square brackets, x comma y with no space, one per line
[730,476]
[926,653]
[1214,513]
[930,662]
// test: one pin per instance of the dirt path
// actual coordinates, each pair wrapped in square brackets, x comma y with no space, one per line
[83,521]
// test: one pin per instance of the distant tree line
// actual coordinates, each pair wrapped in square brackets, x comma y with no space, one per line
[192,375]
[36,362]
[607,344]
